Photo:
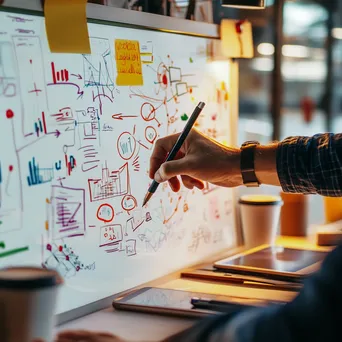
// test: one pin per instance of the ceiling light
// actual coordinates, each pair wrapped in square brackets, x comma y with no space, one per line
[246,4]
[337,32]
[297,51]
[266,49]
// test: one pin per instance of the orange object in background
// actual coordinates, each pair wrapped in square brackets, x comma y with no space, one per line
[294,214]
[308,107]
[333,209]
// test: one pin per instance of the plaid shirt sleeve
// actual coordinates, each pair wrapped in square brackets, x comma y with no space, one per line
[311,165]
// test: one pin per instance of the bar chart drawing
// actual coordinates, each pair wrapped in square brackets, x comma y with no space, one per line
[62,77]
[38,175]
[112,184]
[40,125]
[59,76]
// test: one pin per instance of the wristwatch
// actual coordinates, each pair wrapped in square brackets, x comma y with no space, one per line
[247,164]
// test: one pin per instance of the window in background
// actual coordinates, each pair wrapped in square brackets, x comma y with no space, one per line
[304,70]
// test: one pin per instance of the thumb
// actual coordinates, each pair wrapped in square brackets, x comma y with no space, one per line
[171,169]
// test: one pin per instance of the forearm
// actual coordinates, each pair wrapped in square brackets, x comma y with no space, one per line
[302,164]
[311,164]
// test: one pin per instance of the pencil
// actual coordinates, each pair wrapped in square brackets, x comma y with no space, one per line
[175,149]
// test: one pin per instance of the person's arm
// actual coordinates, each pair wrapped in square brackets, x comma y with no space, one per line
[299,164]
[306,165]
[311,164]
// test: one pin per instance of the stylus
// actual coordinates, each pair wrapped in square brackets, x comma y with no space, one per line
[216,305]
[175,149]
[261,280]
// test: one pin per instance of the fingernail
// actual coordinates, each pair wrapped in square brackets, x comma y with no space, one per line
[157,177]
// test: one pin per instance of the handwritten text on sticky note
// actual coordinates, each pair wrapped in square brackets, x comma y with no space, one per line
[128,63]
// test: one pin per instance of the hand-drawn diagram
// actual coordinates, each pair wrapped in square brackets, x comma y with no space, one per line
[8,76]
[110,235]
[28,52]
[74,167]
[61,78]
[64,260]
[111,184]
[11,194]
[105,213]
[202,234]
[98,72]
[67,215]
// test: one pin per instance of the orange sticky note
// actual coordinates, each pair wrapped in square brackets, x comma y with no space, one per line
[128,63]
[66,26]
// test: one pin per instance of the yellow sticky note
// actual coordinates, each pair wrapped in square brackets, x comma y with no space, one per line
[236,43]
[128,63]
[66,26]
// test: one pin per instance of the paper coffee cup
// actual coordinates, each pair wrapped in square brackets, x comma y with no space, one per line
[27,304]
[260,216]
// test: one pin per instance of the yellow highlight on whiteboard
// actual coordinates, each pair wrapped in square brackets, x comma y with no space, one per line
[66,26]
[128,63]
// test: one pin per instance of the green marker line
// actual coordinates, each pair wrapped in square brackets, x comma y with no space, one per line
[14,251]
[2,244]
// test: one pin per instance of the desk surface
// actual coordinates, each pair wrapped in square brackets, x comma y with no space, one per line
[154,327]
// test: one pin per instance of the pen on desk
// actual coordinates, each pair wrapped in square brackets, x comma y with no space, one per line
[216,305]
[153,187]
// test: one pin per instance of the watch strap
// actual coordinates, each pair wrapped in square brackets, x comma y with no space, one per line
[247,164]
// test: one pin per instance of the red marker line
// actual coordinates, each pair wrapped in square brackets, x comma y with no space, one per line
[44,122]
[53,72]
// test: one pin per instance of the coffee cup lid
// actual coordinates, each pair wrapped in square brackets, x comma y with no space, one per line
[27,278]
[261,200]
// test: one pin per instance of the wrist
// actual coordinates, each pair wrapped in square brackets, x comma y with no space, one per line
[232,163]
[265,163]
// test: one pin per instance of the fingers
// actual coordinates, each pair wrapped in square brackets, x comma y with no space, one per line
[190,183]
[161,148]
[174,184]
[172,169]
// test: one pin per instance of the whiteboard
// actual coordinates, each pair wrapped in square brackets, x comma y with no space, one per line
[75,151]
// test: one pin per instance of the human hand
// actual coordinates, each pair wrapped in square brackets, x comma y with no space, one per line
[86,336]
[199,159]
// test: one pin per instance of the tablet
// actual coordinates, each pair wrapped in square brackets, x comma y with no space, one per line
[281,262]
[211,273]
[175,302]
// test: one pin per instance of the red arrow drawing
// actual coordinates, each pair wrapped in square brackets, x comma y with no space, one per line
[78,76]
[119,116]
[56,133]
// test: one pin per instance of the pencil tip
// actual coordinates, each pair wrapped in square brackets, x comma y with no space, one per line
[147,198]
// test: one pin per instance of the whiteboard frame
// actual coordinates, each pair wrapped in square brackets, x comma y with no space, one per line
[133,19]
[125,17]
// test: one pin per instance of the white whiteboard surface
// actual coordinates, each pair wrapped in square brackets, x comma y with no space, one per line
[75,151]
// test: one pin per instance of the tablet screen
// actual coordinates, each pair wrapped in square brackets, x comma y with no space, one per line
[279,259]
[176,299]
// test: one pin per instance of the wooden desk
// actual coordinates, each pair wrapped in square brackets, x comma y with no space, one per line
[145,327]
